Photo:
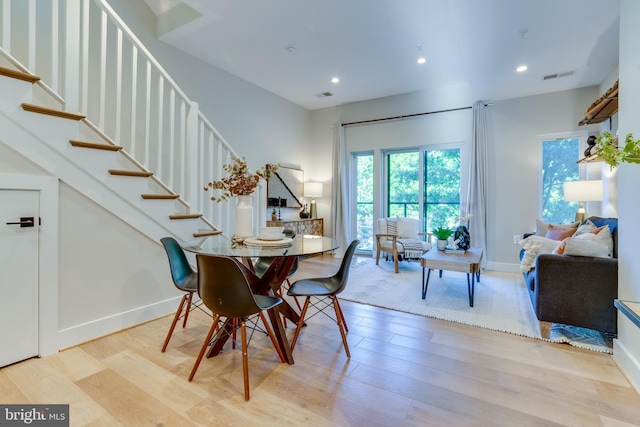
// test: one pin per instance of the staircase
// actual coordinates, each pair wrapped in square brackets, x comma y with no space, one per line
[127,130]
[102,164]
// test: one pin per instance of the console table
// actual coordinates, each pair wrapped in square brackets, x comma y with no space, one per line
[313,226]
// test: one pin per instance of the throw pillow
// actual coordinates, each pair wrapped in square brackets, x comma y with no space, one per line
[534,245]
[586,227]
[408,228]
[392,227]
[559,233]
[582,247]
[604,237]
[585,236]
[542,227]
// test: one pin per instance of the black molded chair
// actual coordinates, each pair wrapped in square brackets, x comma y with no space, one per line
[224,286]
[325,288]
[184,278]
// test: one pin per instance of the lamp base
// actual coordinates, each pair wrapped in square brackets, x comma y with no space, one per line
[313,212]
[581,214]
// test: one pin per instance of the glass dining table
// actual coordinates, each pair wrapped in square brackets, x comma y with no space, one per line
[283,254]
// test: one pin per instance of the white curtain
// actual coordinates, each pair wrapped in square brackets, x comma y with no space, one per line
[477,195]
[341,229]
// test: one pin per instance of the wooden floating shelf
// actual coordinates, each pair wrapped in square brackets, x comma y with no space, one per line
[601,110]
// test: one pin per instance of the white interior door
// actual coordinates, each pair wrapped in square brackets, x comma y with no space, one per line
[18,275]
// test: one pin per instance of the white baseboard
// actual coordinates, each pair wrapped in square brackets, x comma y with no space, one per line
[627,363]
[503,266]
[100,327]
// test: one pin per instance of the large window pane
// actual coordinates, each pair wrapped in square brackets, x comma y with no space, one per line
[559,158]
[442,188]
[403,184]
[364,200]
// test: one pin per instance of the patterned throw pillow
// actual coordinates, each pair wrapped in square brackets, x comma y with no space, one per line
[392,226]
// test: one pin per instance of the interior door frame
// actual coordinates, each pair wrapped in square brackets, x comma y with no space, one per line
[47,187]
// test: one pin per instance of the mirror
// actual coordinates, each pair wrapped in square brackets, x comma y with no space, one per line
[287,185]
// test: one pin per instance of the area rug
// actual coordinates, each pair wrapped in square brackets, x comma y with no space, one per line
[501,301]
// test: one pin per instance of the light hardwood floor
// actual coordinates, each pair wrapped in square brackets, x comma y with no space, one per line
[404,370]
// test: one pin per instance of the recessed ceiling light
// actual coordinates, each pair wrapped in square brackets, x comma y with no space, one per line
[335,80]
[522,68]
[422,60]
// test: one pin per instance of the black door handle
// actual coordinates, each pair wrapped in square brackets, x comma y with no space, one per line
[25,221]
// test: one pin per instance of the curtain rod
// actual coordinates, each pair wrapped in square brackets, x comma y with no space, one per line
[409,115]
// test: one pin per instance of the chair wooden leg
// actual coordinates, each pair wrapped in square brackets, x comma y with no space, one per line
[245,359]
[377,255]
[344,322]
[272,337]
[186,314]
[341,325]
[175,320]
[395,261]
[214,327]
[300,323]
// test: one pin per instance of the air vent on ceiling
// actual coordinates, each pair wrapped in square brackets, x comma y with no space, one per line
[557,75]
[324,94]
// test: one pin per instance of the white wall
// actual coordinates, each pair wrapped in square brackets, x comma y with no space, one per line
[513,126]
[627,346]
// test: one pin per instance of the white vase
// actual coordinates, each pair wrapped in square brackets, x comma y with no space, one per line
[243,218]
[442,244]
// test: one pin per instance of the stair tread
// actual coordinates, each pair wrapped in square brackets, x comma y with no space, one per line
[15,74]
[123,172]
[160,196]
[95,145]
[51,111]
[185,216]
[204,233]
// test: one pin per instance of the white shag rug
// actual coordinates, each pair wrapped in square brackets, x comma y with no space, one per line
[501,300]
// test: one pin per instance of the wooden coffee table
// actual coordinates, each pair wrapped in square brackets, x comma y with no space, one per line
[469,263]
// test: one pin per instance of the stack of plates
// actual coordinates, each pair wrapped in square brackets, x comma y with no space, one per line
[281,242]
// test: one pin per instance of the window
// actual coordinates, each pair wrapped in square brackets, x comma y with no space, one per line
[441,187]
[433,195]
[364,200]
[558,164]
[403,184]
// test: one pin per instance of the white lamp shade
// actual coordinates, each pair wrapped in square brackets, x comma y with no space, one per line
[313,189]
[583,191]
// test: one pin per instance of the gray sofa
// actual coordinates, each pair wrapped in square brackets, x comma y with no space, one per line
[577,290]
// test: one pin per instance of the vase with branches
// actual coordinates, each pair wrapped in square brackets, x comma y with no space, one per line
[240,183]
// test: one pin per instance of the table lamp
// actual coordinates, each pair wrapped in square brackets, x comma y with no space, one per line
[313,190]
[583,191]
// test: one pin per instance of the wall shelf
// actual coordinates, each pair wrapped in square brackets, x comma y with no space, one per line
[602,109]
[629,309]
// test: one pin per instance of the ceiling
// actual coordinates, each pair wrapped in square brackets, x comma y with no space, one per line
[293,48]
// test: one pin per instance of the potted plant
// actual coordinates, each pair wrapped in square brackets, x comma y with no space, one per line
[442,234]
[607,149]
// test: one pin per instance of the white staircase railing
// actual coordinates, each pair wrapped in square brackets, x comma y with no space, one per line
[92,63]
